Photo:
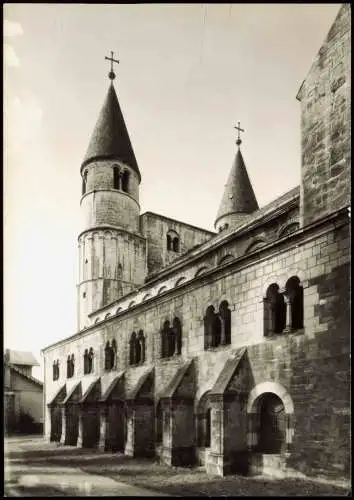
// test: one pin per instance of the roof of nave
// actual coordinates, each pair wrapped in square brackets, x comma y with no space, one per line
[20,358]
[238,195]
[110,138]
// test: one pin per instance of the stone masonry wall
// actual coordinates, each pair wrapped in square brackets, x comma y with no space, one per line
[156,227]
[313,366]
[326,124]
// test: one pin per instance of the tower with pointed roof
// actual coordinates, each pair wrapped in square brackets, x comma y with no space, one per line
[112,252]
[238,199]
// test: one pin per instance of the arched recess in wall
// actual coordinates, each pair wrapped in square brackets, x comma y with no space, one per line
[161,290]
[118,310]
[146,296]
[225,259]
[180,281]
[201,271]
[97,320]
[131,304]
[255,245]
[107,316]
[288,229]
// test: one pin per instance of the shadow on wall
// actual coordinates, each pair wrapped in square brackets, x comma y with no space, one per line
[24,425]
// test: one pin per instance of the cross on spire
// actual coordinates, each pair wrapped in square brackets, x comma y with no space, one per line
[239,129]
[111,74]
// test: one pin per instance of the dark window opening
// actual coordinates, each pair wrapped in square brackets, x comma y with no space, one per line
[204,422]
[137,348]
[175,244]
[169,242]
[56,370]
[88,361]
[217,326]
[171,338]
[274,311]
[84,182]
[125,181]
[295,295]
[116,178]
[110,355]
[70,366]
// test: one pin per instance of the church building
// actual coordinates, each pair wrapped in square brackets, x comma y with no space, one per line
[229,349]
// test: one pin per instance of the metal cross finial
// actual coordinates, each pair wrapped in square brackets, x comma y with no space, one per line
[111,74]
[239,129]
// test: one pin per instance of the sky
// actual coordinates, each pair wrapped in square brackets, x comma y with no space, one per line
[187,74]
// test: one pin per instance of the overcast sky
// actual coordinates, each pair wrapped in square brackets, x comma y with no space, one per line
[187,74]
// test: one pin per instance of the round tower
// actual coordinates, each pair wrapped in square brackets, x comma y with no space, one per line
[112,252]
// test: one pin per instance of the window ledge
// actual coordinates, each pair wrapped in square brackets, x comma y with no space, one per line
[219,347]
[165,359]
[285,333]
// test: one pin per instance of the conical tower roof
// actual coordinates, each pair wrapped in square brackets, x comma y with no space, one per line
[110,138]
[238,197]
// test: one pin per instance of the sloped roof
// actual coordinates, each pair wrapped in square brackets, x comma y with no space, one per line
[74,391]
[59,396]
[27,377]
[20,358]
[90,390]
[238,195]
[110,138]
[227,372]
[111,387]
[133,392]
[172,387]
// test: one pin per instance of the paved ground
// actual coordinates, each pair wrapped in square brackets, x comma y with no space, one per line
[36,468]
[28,478]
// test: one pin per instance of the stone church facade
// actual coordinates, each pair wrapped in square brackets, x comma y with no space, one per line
[231,349]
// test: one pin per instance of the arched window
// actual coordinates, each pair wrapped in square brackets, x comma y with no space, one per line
[84,181]
[172,241]
[274,311]
[68,365]
[125,181]
[225,316]
[272,424]
[177,333]
[86,362]
[90,361]
[72,363]
[167,340]
[107,357]
[120,272]
[56,369]
[113,354]
[132,349]
[295,295]
[175,244]
[140,355]
[116,177]
[215,324]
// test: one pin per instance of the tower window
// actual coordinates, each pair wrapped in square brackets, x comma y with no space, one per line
[125,181]
[116,178]
[88,361]
[84,181]
[172,241]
